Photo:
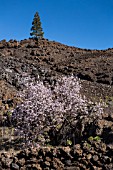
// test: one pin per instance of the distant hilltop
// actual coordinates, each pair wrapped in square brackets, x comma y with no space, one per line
[31,55]
[33,42]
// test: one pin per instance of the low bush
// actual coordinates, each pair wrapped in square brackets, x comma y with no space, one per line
[56,111]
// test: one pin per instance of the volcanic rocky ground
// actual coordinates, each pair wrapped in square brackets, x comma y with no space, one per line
[49,60]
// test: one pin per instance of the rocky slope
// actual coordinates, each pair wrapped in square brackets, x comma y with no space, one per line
[49,60]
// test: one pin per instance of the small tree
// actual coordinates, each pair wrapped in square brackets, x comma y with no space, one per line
[36,28]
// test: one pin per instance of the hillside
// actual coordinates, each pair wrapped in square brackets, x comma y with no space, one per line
[48,61]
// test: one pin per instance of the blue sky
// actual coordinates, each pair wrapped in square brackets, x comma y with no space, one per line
[80,23]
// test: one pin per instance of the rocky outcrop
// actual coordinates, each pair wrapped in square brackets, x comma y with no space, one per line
[91,65]
[88,155]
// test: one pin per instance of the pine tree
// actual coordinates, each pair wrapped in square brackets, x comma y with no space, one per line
[37,31]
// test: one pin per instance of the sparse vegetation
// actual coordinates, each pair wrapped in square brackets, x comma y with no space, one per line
[96,138]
